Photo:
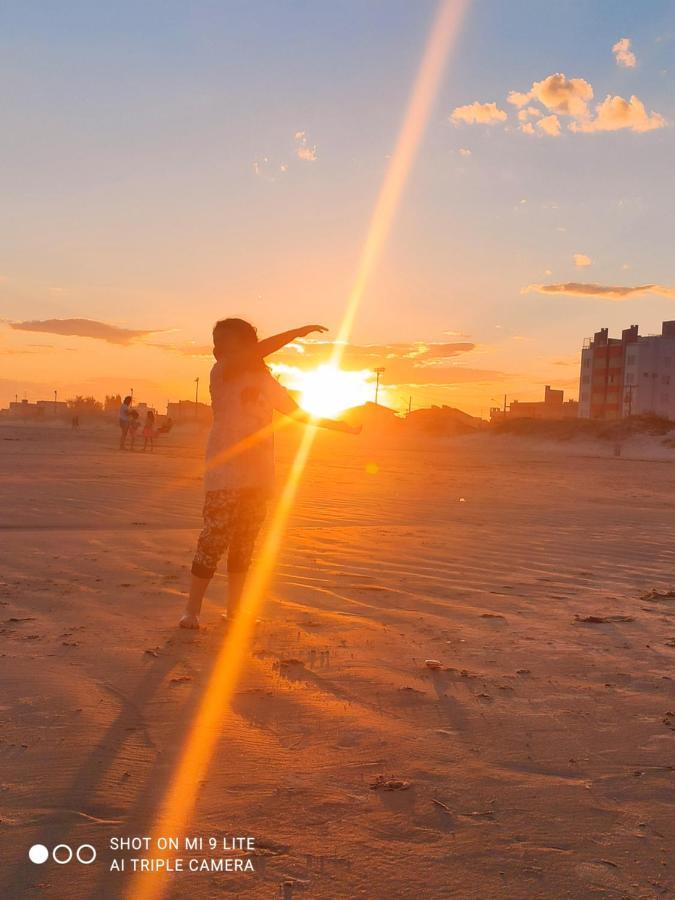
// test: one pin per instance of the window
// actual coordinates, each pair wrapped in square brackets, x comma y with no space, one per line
[665,379]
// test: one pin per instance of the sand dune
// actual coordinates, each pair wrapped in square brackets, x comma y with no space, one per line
[536,762]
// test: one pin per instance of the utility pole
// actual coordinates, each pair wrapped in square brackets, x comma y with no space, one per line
[378,372]
[504,405]
[409,405]
[197,397]
[55,395]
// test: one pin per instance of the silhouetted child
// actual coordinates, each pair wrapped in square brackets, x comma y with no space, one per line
[240,456]
[149,430]
[134,425]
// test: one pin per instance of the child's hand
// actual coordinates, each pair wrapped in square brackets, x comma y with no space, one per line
[308,329]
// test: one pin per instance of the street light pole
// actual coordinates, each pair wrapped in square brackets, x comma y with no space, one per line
[197,397]
[378,372]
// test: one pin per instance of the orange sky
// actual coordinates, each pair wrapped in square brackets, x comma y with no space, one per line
[205,168]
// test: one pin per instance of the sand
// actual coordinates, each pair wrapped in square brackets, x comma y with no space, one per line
[536,762]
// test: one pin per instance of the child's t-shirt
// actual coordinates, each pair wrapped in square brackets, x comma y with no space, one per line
[240,448]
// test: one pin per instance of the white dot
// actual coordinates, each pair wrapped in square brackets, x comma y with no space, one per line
[38,854]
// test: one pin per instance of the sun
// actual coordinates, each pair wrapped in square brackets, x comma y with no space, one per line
[328,391]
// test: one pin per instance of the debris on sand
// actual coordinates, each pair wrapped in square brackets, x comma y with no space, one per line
[599,620]
[655,596]
[433,664]
[290,663]
[382,783]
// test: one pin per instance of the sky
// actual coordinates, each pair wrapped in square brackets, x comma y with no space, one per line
[163,165]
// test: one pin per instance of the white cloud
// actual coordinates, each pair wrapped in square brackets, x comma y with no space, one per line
[303,150]
[463,151]
[550,125]
[623,55]
[557,93]
[478,113]
[581,260]
[615,113]
[605,292]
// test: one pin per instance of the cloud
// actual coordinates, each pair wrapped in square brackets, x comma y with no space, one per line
[623,55]
[550,125]
[559,96]
[605,292]
[303,149]
[557,93]
[84,328]
[416,361]
[615,113]
[478,113]
[463,151]
[581,260]
[267,169]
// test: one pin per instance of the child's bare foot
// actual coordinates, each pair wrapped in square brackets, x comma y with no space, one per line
[189,621]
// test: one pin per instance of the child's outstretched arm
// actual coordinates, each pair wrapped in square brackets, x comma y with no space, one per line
[286,404]
[277,341]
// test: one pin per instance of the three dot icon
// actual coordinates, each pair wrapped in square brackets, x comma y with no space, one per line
[62,854]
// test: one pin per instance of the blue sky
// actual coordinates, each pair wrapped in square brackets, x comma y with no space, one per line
[142,184]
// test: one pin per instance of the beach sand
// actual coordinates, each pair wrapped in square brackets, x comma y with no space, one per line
[536,762]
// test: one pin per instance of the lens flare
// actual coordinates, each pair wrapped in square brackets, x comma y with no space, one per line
[328,391]
[178,803]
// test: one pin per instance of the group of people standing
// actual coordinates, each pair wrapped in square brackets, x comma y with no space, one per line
[130,422]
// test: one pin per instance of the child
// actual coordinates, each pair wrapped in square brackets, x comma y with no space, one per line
[149,430]
[134,425]
[238,485]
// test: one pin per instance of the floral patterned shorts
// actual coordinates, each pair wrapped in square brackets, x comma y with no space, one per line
[232,520]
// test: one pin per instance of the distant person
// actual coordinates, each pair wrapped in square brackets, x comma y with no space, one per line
[166,427]
[238,484]
[134,425]
[124,418]
[75,424]
[149,430]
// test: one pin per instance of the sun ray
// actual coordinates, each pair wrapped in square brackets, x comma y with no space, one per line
[178,802]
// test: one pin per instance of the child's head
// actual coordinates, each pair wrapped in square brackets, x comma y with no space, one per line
[127,400]
[233,337]
[150,417]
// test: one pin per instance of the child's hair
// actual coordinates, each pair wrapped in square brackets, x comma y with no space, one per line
[246,336]
[150,416]
[128,399]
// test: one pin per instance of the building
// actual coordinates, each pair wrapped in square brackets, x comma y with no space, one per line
[42,409]
[553,406]
[630,375]
[188,411]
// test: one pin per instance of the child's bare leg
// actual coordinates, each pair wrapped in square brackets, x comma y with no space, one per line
[235,589]
[193,606]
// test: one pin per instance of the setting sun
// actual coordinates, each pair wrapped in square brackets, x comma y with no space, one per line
[328,391]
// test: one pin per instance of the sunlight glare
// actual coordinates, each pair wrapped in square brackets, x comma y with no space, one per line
[328,391]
